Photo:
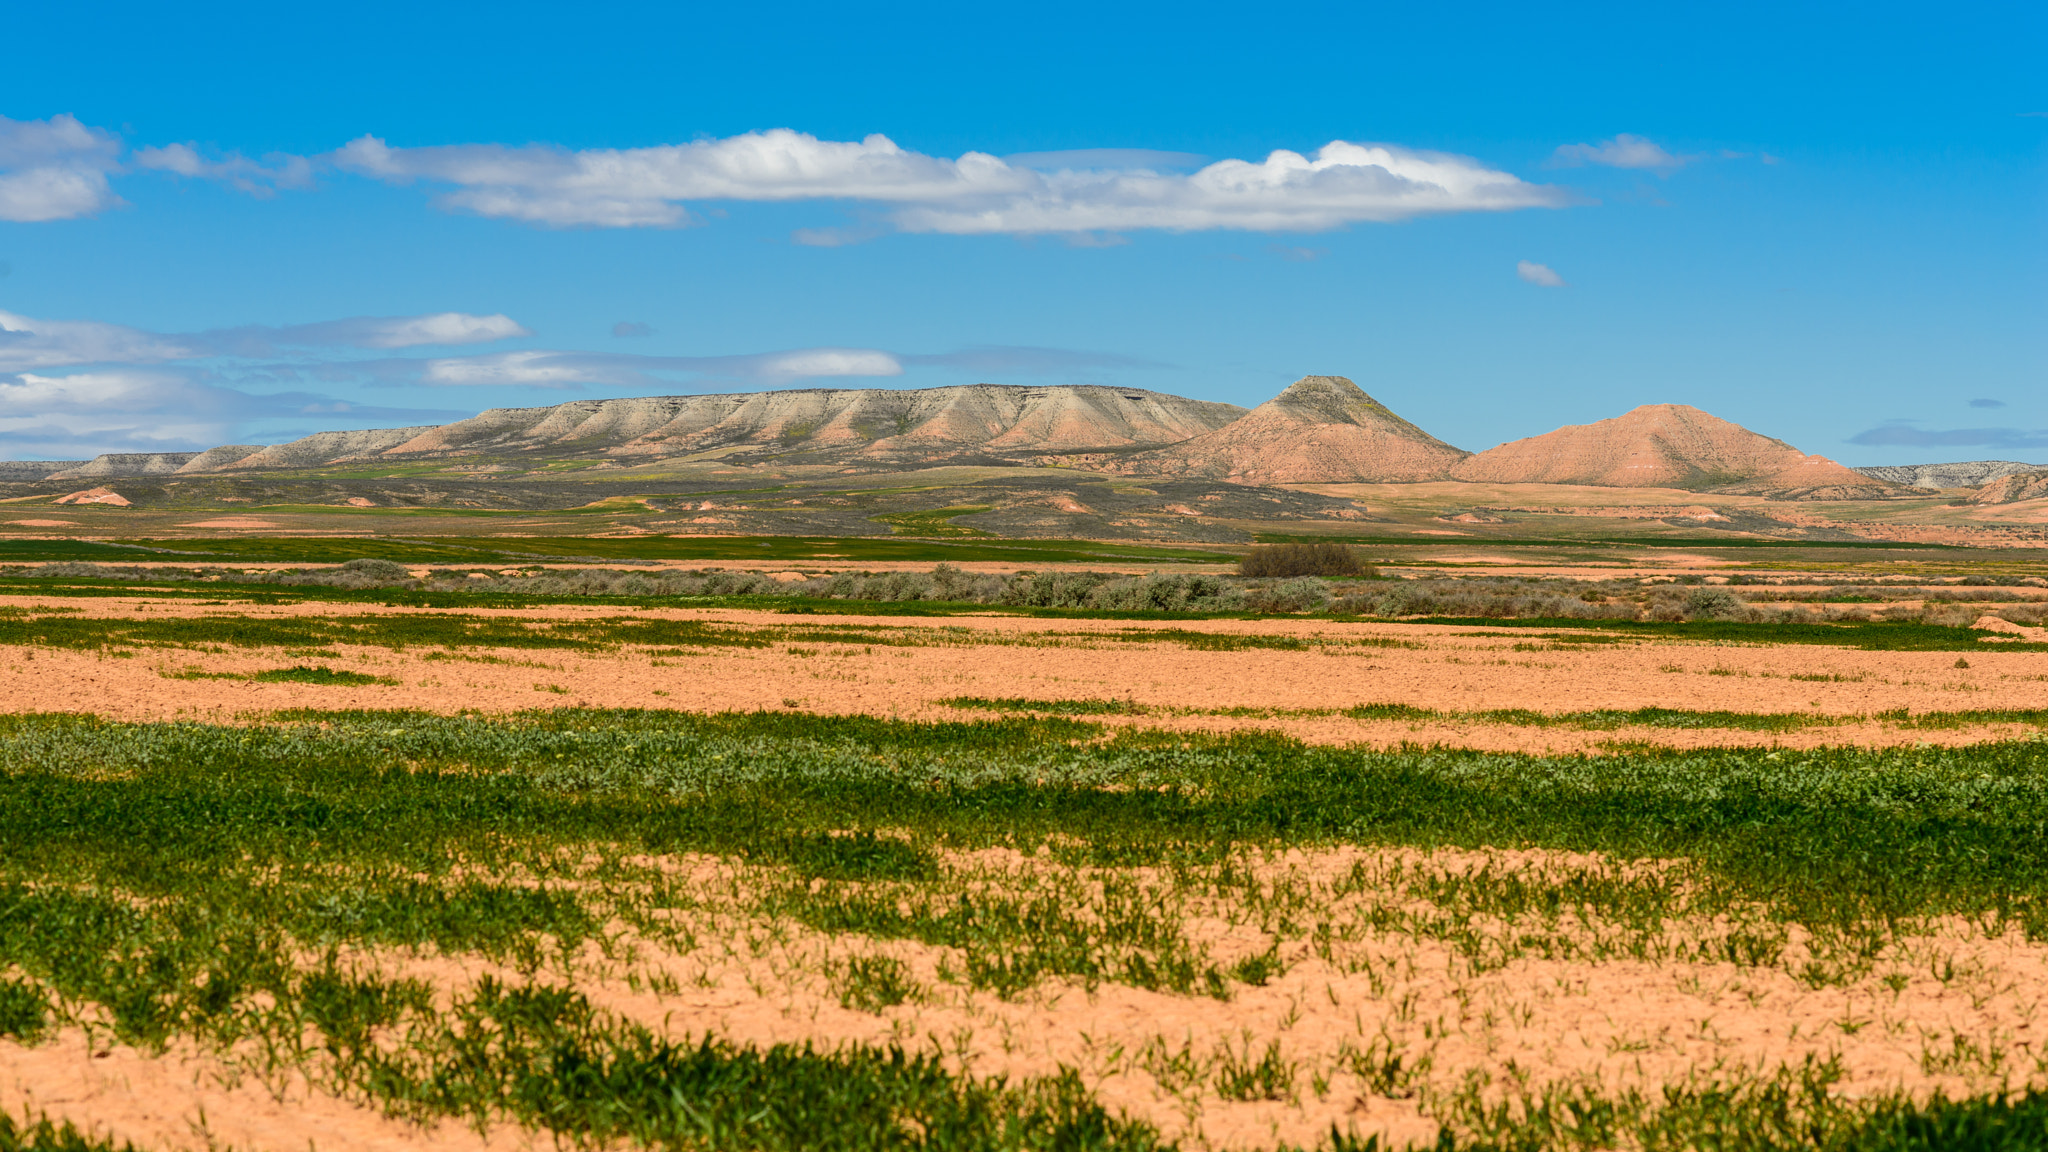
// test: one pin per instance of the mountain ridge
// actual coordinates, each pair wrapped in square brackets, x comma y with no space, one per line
[1320,429]
[1957,474]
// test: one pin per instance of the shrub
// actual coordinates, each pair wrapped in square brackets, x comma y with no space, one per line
[1177,593]
[1303,560]
[1705,603]
[1498,599]
[1301,594]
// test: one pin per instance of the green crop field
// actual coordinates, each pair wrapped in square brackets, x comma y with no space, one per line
[168,884]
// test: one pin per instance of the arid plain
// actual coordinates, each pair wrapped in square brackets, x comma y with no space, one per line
[744,797]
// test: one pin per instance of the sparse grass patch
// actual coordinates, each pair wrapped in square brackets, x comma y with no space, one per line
[296,674]
[197,881]
[872,983]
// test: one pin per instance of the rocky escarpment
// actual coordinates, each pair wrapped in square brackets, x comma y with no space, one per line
[1669,446]
[325,448]
[1960,474]
[2013,488]
[221,457]
[1320,430]
[35,469]
[873,424]
[126,464]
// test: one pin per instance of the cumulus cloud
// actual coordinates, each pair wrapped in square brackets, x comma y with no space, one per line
[1343,183]
[55,169]
[1538,274]
[977,193]
[1902,434]
[235,170]
[1623,151]
[27,343]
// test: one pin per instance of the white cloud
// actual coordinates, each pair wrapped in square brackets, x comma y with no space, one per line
[434,328]
[1344,183]
[1538,274]
[820,362]
[438,328]
[975,194]
[237,170]
[618,188]
[27,343]
[1623,151]
[555,369]
[537,369]
[54,169]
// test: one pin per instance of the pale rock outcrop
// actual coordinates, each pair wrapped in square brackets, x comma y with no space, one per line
[95,496]
[35,469]
[921,423]
[1960,474]
[325,448]
[127,464]
[221,457]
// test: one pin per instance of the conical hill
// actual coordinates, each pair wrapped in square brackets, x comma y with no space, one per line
[1321,430]
[1664,446]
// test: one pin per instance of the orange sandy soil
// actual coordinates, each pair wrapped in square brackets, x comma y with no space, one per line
[1452,669]
[1620,1009]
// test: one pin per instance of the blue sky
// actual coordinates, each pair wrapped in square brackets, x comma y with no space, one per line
[240,223]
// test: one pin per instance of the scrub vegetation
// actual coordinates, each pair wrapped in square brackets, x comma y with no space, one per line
[1911,615]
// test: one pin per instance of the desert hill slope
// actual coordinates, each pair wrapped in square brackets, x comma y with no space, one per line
[1961,474]
[1321,429]
[877,426]
[2013,488]
[1667,446]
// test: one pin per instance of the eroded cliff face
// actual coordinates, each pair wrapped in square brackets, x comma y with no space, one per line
[1956,474]
[127,464]
[322,448]
[1320,430]
[880,427]
[2013,488]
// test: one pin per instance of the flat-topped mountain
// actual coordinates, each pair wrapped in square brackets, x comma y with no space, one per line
[1667,446]
[874,426]
[1320,430]
[1961,474]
